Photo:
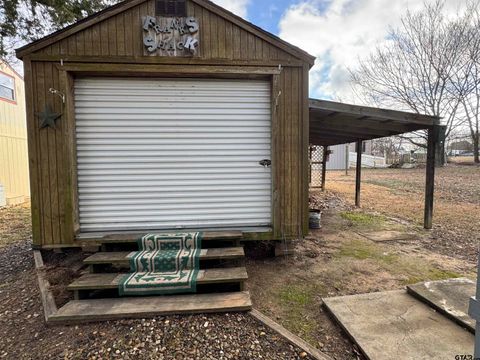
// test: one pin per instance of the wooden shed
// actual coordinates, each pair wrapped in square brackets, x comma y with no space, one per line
[166,115]
[14,184]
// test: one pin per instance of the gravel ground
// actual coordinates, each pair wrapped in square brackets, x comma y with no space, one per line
[23,334]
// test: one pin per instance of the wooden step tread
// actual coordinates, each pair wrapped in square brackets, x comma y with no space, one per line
[120,258]
[133,237]
[112,280]
[143,307]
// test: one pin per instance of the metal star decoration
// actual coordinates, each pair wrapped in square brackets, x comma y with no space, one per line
[48,117]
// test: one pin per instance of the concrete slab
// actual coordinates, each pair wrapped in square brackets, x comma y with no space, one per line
[450,297]
[395,325]
[388,235]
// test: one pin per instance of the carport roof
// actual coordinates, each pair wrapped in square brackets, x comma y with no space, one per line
[333,123]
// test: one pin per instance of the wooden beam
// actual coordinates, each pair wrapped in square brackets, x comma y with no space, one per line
[348,122]
[349,130]
[430,177]
[48,302]
[159,69]
[358,174]
[159,60]
[293,339]
[317,138]
[94,310]
[324,167]
[364,111]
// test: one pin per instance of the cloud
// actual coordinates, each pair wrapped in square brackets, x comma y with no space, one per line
[339,32]
[238,7]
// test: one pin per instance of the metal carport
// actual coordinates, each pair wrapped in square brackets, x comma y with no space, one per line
[333,123]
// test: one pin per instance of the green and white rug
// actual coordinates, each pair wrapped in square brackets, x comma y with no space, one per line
[165,264]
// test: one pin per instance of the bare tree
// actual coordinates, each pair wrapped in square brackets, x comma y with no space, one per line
[414,70]
[22,21]
[389,147]
[466,80]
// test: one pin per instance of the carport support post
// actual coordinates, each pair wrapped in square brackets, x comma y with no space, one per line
[430,176]
[474,312]
[358,173]
[324,166]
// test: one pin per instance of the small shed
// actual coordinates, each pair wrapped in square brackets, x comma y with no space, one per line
[166,115]
[14,181]
[183,126]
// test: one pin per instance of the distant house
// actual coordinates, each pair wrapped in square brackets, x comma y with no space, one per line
[460,147]
[338,156]
[14,180]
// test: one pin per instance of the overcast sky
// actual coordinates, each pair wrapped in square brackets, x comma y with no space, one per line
[337,32]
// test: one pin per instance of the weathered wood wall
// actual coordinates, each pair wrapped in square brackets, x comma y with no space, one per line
[118,40]
[13,143]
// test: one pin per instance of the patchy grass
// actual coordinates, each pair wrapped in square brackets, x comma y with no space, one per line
[296,295]
[363,250]
[362,219]
[432,275]
[395,184]
[409,269]
[15,224]
[299,304]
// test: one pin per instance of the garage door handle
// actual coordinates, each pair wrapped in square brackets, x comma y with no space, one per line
[266,163]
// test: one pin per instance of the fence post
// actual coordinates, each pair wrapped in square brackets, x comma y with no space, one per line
[430,177]
[347,160]
[324,166]
[358,173]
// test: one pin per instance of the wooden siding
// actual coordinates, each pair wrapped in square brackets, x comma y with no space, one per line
[116,43]
[13,143]
[120,36]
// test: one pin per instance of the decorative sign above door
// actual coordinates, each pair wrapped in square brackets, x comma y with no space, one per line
[166,36]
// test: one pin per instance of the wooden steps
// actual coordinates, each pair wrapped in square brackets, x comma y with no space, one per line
[221,282]
[105,281]
[145,307]
[120,258]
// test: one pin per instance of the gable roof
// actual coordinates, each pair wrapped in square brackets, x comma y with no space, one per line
[125,5]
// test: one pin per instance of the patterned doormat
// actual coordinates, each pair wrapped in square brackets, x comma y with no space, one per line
[165,264]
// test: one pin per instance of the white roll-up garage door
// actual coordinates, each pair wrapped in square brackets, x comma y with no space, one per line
[171,154]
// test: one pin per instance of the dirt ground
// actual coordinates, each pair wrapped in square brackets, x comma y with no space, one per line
[466,160]
[339,260]
[15,224]
[400,193]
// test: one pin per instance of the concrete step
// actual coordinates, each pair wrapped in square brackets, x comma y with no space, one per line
[79,311]
[393,325]
[105,281]
[121,258]
[450,297]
